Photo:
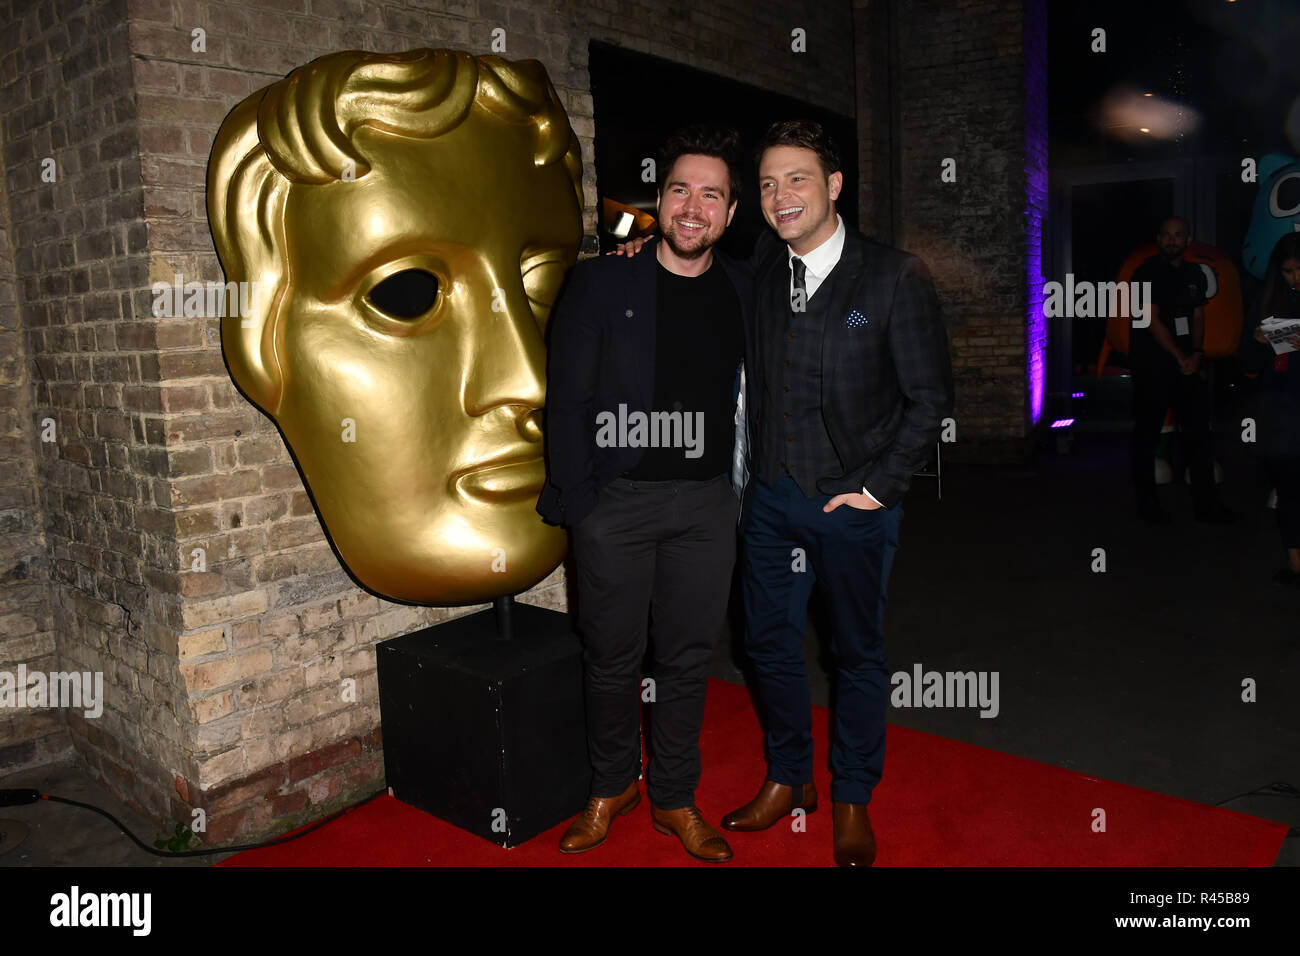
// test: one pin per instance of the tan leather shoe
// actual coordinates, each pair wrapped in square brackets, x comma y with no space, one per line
[589,829]
[687,824]
[855,844]
[775,801]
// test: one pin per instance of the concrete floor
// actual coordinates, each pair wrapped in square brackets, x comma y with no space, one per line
[1133,675]
[60,835]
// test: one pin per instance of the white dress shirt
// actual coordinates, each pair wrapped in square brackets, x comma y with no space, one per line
[820,261]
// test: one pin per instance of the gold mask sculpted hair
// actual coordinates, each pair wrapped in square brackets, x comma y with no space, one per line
[301,132]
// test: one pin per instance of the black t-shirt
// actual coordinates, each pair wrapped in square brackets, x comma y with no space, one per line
[1177,291]
[699,344]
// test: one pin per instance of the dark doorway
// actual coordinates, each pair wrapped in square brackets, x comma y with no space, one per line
[639,100]
[1108,221]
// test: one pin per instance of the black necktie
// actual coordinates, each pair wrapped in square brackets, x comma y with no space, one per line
[799,291]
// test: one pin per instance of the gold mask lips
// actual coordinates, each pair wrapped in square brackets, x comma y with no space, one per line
[405,222]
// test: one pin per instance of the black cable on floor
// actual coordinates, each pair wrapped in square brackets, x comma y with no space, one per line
[1272,790]
[13,798]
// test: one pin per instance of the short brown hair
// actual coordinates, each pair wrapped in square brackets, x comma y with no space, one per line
[808,134]
[705,139]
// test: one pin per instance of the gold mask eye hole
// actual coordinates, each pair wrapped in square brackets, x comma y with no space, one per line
[405,295]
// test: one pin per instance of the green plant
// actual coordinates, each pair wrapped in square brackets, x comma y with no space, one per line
[179,842]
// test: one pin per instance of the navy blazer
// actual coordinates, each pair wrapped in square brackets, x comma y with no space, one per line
[885,369]
[601,355]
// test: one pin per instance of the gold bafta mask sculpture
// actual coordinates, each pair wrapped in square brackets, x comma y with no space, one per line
[406,221]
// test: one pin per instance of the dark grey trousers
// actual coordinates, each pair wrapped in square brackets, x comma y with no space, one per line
[656,553]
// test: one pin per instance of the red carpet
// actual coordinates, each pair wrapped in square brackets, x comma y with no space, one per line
[941,803]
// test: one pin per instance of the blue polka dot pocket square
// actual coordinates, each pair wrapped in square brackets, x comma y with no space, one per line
[855,320]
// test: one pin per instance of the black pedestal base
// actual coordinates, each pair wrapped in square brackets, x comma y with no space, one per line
[489,735]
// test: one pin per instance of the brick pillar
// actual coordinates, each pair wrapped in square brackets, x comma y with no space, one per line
[76,224]
[1036,203]
[29,736]
[941,80]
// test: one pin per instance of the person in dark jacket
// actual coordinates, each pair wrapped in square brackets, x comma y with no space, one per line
[1277,412]
[845,401]
[642,410]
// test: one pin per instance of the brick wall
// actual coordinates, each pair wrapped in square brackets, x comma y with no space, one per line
[184,559]
[874,56]
[223,684]
[269,632]
[72,176]
[1036,200]
[959,74]
[28,736]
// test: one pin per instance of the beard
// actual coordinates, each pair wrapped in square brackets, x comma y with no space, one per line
[706,243]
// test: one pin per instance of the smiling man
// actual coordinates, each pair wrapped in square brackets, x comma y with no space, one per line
[652,511]
[846,396]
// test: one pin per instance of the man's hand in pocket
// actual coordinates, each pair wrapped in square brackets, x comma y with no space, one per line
[861,502]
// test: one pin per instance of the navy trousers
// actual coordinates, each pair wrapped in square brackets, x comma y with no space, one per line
[792,546]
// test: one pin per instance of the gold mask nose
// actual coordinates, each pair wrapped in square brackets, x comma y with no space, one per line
[530,425]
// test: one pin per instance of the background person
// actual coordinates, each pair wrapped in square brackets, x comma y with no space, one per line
[1277,398]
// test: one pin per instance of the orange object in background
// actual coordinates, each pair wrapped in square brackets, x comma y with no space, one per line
[639,222]
[1223,311]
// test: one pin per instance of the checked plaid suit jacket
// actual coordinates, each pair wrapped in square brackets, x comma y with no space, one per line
[885,367]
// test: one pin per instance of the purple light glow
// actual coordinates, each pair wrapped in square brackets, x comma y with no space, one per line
[1035,54]
[1076,394]
[1062,423]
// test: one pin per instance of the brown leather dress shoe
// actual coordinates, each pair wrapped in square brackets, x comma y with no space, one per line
[589,829]
[775,801]
[701,840]
[855,844]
